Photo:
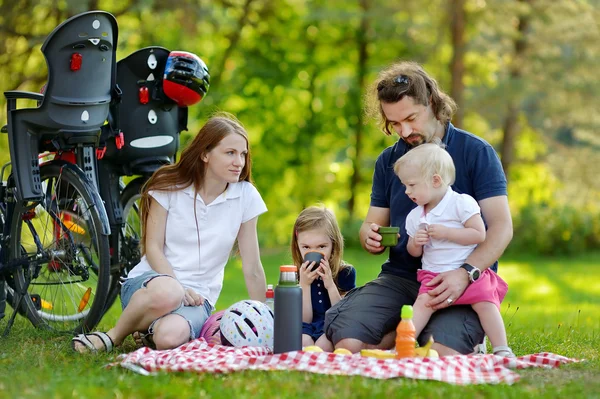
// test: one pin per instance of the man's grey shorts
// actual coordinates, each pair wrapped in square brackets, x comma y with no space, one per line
[194,315]
[369,312]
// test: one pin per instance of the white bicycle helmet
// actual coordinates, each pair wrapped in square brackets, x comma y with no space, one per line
[247,323]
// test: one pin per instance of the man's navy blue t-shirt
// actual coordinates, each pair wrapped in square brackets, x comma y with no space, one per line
[478,173]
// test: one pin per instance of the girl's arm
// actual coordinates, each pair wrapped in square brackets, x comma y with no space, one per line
[307,311]
[328,283]
[156,225]
[473,232]
[254,274]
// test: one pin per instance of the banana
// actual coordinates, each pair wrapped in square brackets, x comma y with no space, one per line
[426,351]
[378,353]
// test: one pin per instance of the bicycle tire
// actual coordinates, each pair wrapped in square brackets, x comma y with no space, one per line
[69,264]
[129,255]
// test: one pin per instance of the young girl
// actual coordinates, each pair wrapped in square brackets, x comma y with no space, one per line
[316,230]
[192,213]
[444,229]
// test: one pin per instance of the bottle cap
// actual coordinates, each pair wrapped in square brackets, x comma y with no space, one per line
[288,268]
[407,312]
[270,293]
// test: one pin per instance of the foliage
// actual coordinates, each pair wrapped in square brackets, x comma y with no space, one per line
[291,71]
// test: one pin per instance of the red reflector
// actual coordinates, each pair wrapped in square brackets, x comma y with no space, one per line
[119,140]
[144,96]
[76,61]
[100,152]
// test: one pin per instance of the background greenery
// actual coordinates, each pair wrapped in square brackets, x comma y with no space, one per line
[295,71]
[552,306]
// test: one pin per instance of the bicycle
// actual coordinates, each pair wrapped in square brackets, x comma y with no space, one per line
[54,259]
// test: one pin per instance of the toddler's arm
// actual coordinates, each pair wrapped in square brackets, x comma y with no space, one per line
[415,244]
[472,233]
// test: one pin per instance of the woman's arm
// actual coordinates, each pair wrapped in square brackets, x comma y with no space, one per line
[254,274]
[156,225]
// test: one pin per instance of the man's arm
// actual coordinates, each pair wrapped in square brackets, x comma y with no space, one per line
[452,284]
[369,238]
[499,233]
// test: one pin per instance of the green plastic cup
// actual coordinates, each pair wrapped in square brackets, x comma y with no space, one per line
[389,236]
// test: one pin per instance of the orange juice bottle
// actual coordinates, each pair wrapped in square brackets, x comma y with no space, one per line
[405,334]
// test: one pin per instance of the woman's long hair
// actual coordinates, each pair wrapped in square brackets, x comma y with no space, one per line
[190,170]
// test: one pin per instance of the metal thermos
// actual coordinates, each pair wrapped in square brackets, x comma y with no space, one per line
[288,311]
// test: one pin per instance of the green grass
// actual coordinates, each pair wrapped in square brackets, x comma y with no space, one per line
[552,306]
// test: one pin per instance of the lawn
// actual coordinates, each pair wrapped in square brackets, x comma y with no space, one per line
[552,306]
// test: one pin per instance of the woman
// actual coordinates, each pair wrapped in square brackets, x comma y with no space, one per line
[192,213]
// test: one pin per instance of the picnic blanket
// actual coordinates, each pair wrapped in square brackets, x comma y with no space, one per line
[201,357]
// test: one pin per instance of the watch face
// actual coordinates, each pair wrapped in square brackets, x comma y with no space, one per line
[475,273]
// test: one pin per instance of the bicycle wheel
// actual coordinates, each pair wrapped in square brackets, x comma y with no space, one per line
[129,236]
[68,254]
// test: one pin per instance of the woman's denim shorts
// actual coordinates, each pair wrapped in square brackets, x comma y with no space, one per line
[194,315]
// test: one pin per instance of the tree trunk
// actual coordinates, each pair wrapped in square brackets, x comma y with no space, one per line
[457,65]
[361,72]
[511,125]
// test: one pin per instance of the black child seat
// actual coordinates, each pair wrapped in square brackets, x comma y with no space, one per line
[150,121]
[81,58]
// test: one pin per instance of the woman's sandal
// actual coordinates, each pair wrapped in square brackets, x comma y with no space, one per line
[504,351]
[87,343]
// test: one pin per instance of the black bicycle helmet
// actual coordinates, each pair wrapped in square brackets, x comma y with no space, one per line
[186,78]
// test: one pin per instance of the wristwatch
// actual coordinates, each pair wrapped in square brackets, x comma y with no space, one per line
[474,273]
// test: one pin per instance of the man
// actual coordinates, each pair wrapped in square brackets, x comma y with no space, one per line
[409,102]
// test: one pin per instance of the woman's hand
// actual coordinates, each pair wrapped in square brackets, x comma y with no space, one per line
[191,298]
[307,276]
[324,272]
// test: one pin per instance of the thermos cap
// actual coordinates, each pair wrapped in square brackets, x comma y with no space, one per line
[288,268]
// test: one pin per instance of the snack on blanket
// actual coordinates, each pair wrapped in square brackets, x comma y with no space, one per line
[312,348]
[426,351]
[342,351]
[378,353]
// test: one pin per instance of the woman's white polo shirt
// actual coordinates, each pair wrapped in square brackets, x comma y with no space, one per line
[201,267]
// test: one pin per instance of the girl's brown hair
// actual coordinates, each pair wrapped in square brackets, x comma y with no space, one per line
[320,218]
[190,170]
[407,79]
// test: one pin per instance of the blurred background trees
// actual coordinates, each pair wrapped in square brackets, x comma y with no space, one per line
[295,72]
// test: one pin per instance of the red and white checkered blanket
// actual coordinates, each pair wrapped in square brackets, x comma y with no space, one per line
[199,356]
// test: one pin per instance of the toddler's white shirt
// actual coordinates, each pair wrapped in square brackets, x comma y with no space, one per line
[202,267]
[452,211]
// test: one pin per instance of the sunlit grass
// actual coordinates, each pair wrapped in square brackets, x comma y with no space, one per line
[551,306]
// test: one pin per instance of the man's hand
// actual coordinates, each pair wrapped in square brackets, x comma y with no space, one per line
[450,286]
[373,240]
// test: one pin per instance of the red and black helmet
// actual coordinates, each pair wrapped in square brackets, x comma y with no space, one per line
[186,78]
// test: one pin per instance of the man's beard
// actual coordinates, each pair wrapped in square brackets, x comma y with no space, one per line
[414,143]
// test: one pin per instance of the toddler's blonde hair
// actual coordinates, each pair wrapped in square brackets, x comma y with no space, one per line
[431,159]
